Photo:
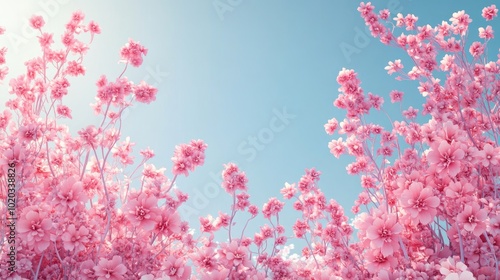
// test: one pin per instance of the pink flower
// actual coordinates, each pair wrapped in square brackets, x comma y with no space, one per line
[75,69]
[123,151]
[376,261]
[489,12]
[175,268]
[300,228]
[455,270]
[37,22]
[20,86]
[242,201]
[460,18]
[410,21]
[400,20]
[486,33]
[5,119]
[272,207]
[90,135]
[206,224]
[94,28]
[446,158]
[145,93]
[233,255]
[384,234]
[110,269]
[188,157]
[221,274]
[147,153]
[331,126]
[181,166]
[394,67]
[45,40]
[142,211]
[132,53]
[70,194]
[205,258]
[411,113]
[68,39]
[253,210]
[459,190]
[87,270]
[337,147]
[35,228]
[396,96]
[420,202]
[365,9]
[489,155]
[233,179]
[473,219]
[222,220]
[375,101]
[476,49]
[288,191]
[29,133]
[384,14]
[73,239]
[64,111]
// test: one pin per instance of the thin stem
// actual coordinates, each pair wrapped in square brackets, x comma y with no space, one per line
[171,184]
[39,264]
[493,252]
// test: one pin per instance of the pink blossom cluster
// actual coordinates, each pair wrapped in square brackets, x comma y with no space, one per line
[132,53]
[188,156]
[430,192]
[429,206]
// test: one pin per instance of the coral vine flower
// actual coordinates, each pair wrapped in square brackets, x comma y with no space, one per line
[420,202]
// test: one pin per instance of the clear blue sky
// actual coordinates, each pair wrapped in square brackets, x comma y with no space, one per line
[223,75]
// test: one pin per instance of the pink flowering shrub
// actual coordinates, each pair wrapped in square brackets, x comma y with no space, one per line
[430,196]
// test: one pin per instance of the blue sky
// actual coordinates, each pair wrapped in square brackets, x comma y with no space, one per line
[229,70]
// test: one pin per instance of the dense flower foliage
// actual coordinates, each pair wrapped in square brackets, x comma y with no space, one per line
[429,208]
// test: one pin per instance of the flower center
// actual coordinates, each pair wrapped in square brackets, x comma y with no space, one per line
[471,219]
[172,271]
